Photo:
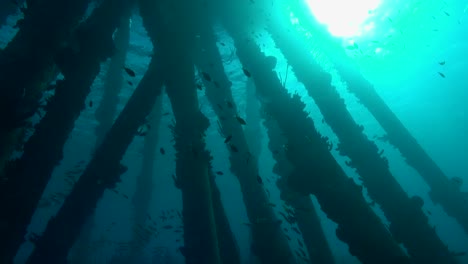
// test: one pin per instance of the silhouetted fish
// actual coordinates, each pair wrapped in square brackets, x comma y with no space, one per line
[234,148]
[442,63]
[259,180]
[206,76]
[219,173]
[162,151]
[228,139]
[441,74]
[240,120]
[246,72]
[129,71]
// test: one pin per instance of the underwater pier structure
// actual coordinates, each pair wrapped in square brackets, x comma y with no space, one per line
[60,50]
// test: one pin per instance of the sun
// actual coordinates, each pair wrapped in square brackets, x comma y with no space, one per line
[344,18]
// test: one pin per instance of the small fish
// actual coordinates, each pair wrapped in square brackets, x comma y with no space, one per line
[441,74]
[229,104]
[296,230]
[288,237]
[168,227]
[259,180]
[219,106]
[130,83]
[457,181]
[129,71]
[166,114]
[234,148]
[125,196]
[90,103]
[442,63]
[240,120]
[222,44]
[199,86]
[446,13]
[246,73]
[217,84]
[162,151]
[300,243]
[219,173]
[228,138]
[206,76]
[390,20]
[183,251]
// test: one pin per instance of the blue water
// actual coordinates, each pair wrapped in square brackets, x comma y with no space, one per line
[434,110]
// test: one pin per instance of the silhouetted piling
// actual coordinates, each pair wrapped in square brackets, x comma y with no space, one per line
[27,61]
[302,210]
[316,172]
[102,172]
[105,115]
[114,81]
[29,175]
[269,242]
[192,159]
[443,190]
[228,247]
[409,224]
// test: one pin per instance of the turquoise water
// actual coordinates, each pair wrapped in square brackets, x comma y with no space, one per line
[402,58]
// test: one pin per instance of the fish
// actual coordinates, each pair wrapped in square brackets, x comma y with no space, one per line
[441,62]
[300,243]
[168,227]
[296,230]
[125,196]
[219,173]
[457,181]
[246,73]
[222,44]
[446,13]
[259,180]
[162,151]
[130,83]
[91,103]
[199,86]
[228,138]
[182,251]
[234,148]
[229,104]
[217,84]
[166,114]
[129,71]
[441,74]
[240,120]
[206,76]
